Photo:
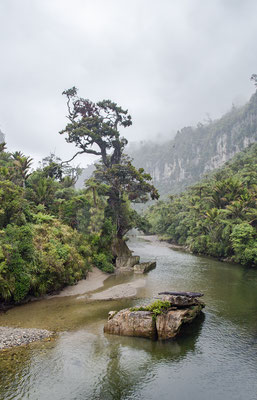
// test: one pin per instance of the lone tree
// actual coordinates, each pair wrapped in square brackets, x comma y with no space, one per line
[93,128]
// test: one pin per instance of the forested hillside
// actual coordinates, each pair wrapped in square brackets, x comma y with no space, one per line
[193,152]
[217,216]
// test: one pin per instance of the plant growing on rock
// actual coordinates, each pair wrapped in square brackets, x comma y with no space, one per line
[157,307]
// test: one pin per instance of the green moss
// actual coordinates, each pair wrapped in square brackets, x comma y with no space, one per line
[157,307]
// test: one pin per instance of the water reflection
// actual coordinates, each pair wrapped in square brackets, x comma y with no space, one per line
[215,357]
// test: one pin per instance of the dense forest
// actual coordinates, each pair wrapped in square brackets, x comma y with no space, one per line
[50,233]
[218,215]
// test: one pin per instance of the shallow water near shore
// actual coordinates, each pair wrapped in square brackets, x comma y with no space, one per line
[215,357]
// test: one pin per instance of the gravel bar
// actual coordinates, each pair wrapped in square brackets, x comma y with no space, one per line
[10,337]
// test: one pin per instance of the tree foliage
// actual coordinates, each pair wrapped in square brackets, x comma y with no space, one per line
[93,128]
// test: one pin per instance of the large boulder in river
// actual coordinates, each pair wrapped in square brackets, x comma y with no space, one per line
[169,324]
[131,323]
[161,319]
[144,267]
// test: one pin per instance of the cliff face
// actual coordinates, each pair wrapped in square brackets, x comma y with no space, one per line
[195,151]
[1,136]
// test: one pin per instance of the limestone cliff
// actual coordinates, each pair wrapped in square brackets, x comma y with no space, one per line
[1,136]
[195,151]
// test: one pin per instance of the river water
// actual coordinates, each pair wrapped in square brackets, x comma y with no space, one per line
[215,358]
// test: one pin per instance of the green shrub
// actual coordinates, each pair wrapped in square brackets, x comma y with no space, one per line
[103,262]
[157,307]
[243,240]
[37,259]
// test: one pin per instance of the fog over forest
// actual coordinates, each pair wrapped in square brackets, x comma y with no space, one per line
[171,64]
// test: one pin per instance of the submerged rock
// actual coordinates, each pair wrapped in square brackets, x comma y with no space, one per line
[160,320]
[144,267]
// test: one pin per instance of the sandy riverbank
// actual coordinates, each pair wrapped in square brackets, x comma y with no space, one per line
[122,291]
[11,337]
[95,280]
[87,289]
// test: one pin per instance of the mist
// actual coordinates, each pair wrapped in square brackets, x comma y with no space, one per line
[170,64]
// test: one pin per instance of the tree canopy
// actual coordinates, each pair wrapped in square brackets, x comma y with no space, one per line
[94,129]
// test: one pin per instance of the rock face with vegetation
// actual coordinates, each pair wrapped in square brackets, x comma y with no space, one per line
[160,320]
[195,151]
[1,136]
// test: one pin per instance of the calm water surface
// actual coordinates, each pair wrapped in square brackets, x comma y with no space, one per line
[215,358]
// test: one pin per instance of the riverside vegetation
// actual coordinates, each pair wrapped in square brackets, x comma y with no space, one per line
[50,233]
[218,215]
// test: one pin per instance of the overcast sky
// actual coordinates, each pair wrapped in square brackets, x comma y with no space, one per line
[169,62]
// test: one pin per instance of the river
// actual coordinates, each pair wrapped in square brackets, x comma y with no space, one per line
[215,358]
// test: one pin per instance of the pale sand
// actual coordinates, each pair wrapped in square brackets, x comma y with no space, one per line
[122,291]
[95,280]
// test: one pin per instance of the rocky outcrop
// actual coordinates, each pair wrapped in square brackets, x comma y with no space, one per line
[144,267]
[161,320]
[123,256]
[125,261]
[131,323]
[169,324]
[1,136]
